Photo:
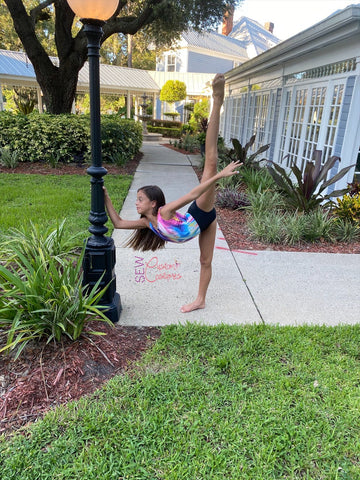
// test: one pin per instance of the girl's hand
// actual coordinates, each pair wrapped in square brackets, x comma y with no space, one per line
[230,169]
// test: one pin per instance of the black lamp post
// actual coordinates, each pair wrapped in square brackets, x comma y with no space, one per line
[99,259]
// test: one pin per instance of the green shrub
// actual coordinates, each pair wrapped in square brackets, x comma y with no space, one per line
[25,99]
[173,91]
[234,182]
[8,158]
[41,291]
[186,142]
[165,132]
[267,227]
[345,230]
[289,228]
[256,180]
[294,226]
[201,111]
[348,208]
[319,226]
[121,139]
[50,138]
[38,137]
[263,202]
[163,123]
[172,115]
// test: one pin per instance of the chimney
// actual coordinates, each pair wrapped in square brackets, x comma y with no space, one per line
[269,26]
[228,21]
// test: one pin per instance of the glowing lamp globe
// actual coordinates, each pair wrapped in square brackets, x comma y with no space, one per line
[94,9]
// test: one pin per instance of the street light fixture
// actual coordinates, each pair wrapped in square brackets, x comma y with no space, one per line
[99,259]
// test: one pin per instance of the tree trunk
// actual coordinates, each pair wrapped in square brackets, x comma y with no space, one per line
[58,90]
[129,50]
[58,82]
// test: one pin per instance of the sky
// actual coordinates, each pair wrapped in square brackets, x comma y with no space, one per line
[290,16]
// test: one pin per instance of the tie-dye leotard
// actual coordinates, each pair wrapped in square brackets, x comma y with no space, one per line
[179,229]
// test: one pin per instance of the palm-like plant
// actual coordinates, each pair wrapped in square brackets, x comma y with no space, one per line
[238,152]
[307,193]
[41,291]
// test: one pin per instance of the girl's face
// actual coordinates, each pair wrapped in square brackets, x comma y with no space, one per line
[144,205]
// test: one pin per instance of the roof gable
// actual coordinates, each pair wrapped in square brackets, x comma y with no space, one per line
[252,33]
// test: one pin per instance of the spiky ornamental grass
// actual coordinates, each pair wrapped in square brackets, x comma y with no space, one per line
[41,290]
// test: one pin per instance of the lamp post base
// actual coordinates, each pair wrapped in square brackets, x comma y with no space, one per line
[99,262]
[113,310]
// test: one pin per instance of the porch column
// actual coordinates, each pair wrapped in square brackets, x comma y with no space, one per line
[154,106]
[128,104]
[136,108]
[39,98]
[1,100]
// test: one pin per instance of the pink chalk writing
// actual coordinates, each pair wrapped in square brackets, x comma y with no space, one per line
[153,271]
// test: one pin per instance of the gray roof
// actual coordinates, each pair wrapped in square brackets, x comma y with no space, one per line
[15,64]
[16,69]
[250,32]
[120,78]
[215,42]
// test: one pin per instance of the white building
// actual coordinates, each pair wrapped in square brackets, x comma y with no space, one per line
[212,52]
[303,94]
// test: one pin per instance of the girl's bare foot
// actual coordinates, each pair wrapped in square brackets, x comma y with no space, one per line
[190,307]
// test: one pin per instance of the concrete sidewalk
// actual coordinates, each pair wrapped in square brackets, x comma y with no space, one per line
[247,286]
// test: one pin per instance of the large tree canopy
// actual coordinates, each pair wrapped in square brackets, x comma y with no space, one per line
[163,21]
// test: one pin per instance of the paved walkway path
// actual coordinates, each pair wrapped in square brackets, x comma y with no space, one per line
[247,286]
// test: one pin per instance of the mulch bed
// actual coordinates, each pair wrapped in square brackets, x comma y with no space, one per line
[48,375]
[45,376]
[237,235]
[72,168]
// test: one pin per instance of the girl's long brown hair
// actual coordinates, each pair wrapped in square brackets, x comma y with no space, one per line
[145,239]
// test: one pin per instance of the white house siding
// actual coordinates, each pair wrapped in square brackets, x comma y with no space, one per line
[301,95]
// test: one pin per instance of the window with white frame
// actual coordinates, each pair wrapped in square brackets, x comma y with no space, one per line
[295,131]
[237,116]
[171,63]
[332,120]
[310,119]
[260,117]
[284,128]
[313,123]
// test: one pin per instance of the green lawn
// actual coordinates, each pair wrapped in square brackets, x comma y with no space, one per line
[225,402]
[46,199]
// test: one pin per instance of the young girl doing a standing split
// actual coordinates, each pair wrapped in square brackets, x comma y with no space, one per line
[161,222]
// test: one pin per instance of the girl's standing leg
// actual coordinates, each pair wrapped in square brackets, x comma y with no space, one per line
[207,200]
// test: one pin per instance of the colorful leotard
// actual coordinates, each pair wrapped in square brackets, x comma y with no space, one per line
[180,229]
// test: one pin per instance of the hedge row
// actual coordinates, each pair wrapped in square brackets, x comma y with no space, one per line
[66,138]
[164,123]
[166,132]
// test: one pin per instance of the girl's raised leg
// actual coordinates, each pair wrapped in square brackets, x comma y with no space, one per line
[207,200]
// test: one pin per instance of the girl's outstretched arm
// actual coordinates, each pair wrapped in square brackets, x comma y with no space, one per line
[117,221]
[168,210]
